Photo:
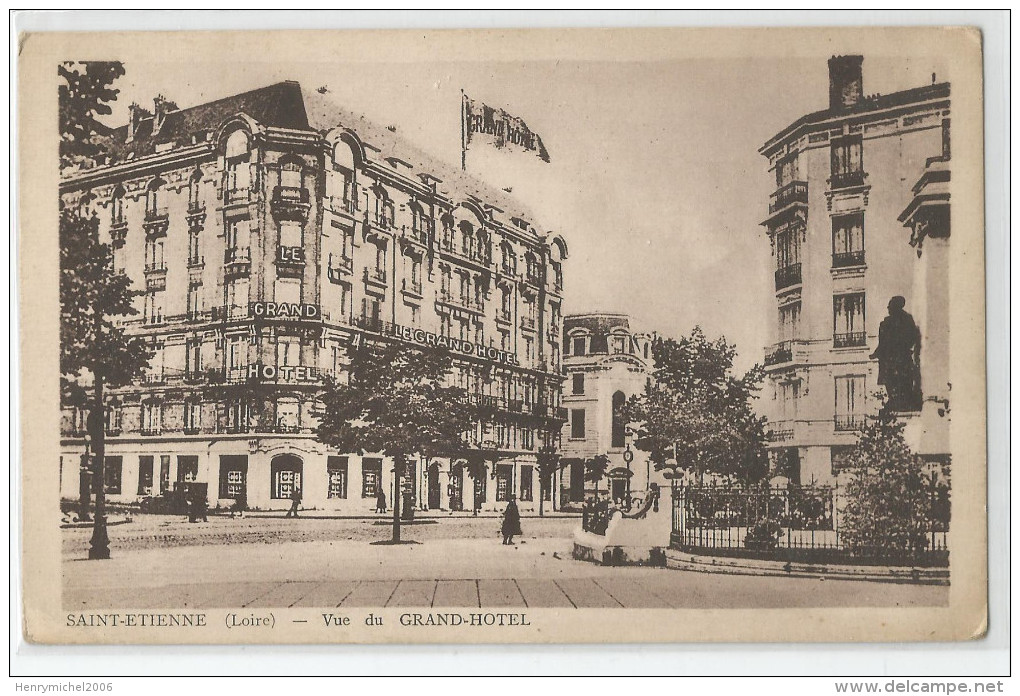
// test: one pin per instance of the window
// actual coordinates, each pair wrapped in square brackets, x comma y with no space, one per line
[290,233]
[527,481]
[850,401]
[287,413]
[789,394]
[164,472]
[371,476]
[848,320]
[380,259]
[233,473]
[288,291]
[848,240]
[145,466]
[577,383]
[153,308]
[839,457]
[195,301]
[113,418]
[193,191]
[509,260]
[789,322]
[786,171]
[481,489]
[504,479]
[557,269]
[578,345]
[846,158]
[237,297]
[529,349]
[465,330]
[187,468]
[528,438]
[153,198]
[290,175]
[194,247]
[288,351]
[286,476]
[237,415]
[112,471]
[192,416]
[577,423]
[151,417]
[619,438]
[117,206]
[504,340]
[238,236]
[787,247]
[619,345]
[154,260]
[336,471]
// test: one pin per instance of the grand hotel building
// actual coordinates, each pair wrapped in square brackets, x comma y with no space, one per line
[848,180]
[268,230]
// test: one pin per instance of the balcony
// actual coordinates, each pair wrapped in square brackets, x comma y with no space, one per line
[375,276]
[848,259]
[237,196]
[156,223]
[848,422]
[118,232]
[504,316]
[155,276]
[855,339]
[468,303]
[237,261]
[794,193]
[235,428]
[844,180]
[290,203]
[290,261]
[339,204]
[780,432]
[196,207]
[195,377]
[339,268]
[780,353]
[411,287]
[196,261]
[528,323]
[788,276]
[192,430]
[150,432]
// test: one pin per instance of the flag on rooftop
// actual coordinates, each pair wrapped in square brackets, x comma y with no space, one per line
[503,130]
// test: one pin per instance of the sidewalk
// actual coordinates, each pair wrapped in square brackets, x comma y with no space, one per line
[435,573]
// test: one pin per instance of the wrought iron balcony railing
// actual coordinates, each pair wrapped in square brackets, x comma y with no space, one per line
[780,353]
[847,179]
[788,276]
[793,192]
[847,259]
[849,340]
[848,421]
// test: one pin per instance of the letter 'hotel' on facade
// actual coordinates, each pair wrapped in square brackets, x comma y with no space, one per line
[860,215]
[268,231]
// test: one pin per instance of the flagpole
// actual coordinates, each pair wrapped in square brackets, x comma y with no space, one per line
[463,132]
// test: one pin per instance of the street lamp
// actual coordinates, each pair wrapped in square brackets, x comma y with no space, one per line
[84,481]
[99,544]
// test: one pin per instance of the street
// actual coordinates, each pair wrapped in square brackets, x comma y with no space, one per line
[163,562]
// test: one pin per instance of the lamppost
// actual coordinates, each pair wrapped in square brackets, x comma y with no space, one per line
[99,544]
[84,482]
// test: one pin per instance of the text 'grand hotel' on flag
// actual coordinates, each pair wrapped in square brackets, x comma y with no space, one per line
[503,129]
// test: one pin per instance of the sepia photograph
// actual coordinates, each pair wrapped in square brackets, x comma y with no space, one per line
[506,336]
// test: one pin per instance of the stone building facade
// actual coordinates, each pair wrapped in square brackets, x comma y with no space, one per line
[269,230]
[847,181]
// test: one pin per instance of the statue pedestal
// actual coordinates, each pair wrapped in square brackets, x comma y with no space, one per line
[640,540]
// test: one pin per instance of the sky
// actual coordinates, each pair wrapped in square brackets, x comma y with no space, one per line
[655,180]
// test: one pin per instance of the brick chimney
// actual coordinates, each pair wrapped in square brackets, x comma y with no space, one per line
[846,81]
[161,107]
[135,116]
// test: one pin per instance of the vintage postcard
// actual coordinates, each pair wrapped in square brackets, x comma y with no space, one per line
[502,336]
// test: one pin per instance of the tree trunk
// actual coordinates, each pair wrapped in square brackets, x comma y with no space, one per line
[398,468]
[541,495]
[99,545]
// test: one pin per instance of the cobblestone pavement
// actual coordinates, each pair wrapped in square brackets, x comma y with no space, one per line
[457,563]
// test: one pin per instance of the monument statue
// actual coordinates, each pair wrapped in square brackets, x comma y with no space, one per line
[899,358]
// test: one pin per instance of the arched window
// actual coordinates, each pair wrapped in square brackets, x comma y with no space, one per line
[286,476]
[290,174]
[194,204]
[117,205]
[509,260]
[619,428]
[238,170]
[85,209]
[153,198]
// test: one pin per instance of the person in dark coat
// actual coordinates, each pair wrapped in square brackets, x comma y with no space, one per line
[899,356]
[511,522]
[295,501]
[380,500]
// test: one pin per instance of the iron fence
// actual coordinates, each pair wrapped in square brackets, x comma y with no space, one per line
[792,524]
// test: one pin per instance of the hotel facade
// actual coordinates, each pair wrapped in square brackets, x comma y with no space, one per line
[268,231]
[606,363]
[848,180]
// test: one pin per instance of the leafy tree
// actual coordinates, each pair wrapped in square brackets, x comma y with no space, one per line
[84,93]
[394,400]
[696,411]
[95,351]
[893,499]
[546,465]
[595,468]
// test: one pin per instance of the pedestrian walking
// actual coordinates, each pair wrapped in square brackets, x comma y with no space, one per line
[295,501]
[380,500]
[511,522]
